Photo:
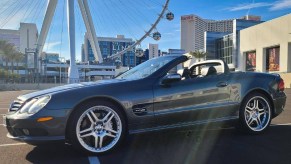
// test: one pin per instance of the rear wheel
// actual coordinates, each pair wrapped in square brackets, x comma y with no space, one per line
[255,113]
[97,127]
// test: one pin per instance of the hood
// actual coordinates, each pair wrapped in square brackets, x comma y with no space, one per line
[67,87]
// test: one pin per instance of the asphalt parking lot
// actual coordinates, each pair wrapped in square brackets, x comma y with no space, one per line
[201,146]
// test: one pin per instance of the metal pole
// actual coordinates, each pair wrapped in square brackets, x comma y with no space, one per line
[73,71]
[86,14]
[46,25]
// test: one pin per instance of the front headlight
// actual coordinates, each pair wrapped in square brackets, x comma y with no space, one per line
[35,105]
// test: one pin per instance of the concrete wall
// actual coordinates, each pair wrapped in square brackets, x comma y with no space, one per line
[276,32]
[11,87]
[287,79]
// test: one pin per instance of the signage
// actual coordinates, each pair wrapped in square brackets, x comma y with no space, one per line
[188,17]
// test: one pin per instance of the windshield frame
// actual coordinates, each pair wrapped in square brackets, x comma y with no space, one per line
[156,73]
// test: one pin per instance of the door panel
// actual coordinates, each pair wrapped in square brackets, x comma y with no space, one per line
[190,99]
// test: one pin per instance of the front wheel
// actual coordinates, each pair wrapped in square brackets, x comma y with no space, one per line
[255,113]
[97,127]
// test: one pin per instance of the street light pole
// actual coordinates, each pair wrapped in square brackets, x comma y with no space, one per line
[60,58]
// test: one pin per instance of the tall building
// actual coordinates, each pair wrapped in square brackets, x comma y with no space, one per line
[153,50]
[144,58]
[110,46]
[193,28]
[25,37]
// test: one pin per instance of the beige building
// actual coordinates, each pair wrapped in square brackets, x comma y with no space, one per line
[266,47]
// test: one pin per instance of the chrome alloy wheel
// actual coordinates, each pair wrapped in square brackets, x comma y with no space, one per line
[257,113]
[98,129]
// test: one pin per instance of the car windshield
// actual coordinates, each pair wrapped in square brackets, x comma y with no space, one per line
[147,68]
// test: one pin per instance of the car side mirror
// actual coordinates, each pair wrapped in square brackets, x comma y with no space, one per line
[171,78]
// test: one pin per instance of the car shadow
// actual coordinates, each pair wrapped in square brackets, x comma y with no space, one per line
[55,153]
[205,146]
[201,146]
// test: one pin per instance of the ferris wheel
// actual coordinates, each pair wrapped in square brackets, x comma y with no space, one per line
[134,18]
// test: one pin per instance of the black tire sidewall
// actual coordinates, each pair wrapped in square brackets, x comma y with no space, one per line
[242,123]
[76,115]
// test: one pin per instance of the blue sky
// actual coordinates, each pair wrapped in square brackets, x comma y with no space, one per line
[132,18]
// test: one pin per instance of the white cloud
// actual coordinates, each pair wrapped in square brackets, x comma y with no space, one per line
[248,6]
[280,5]
[277,5]
[50,46]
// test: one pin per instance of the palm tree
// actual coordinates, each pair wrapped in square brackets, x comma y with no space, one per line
[8,54]
[198,54]
[18,58]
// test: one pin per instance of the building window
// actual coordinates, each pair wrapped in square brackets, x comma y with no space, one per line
[273,59]
[251,61]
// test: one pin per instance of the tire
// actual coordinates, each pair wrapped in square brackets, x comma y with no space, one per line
[97,127]
[255,114]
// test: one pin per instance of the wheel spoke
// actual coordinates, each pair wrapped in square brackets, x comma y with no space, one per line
[256,104]
[259,122]
[249,109]
[101,142]
[106,117]
[250,121]
[90,118]
[109,119]
[261,109]
[111,130]
[86,130]
[96,141]
[94,116]
[110,135]
[86,135]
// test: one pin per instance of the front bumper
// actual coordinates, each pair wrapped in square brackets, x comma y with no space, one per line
[37,140]
[25,128]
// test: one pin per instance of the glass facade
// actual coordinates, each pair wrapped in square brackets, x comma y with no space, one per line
[210,46]
[11,38]
[109,48]
[224,47]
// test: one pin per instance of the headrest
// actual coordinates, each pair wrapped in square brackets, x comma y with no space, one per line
[208,71]
[204,71]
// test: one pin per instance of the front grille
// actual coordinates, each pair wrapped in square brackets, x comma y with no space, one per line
[16,105]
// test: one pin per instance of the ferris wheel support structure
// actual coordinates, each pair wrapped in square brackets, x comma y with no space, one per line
[86,14]
[83,4]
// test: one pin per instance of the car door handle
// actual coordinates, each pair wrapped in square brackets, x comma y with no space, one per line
[221,84]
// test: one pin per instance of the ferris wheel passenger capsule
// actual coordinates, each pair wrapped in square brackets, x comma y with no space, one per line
[157,36]
[170,16]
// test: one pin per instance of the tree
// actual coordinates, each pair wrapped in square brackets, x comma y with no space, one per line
[10,55]
[198,54]
[18,58]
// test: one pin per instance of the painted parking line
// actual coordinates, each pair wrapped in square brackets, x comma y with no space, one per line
[93,160]
[2,125]
[14,144]
[280,124]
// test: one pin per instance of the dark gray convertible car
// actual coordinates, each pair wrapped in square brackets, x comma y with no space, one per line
[163,93]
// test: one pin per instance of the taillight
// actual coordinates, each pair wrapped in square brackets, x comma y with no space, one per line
[281,84]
